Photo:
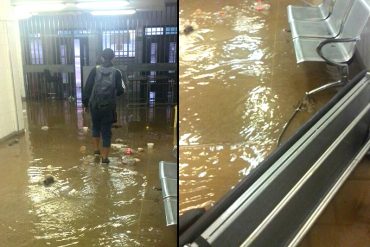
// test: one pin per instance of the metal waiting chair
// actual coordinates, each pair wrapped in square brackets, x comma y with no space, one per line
[320,12]
[169,179]
[327,28]
[336,51]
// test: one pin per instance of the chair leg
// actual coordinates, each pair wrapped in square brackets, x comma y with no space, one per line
[324,87]
[343,70]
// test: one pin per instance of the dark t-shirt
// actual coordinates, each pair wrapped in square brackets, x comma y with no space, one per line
[91,80]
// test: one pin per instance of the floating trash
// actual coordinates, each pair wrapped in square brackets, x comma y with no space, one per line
[188,30]
[83,149]
[44,127]
[48,180]
[140,149]
[259,5]
[150,145]
[85,129]
[118,146]
[119,140]
[12,142]
[128,151]
[137,160]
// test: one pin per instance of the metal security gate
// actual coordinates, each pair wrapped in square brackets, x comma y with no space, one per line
[60,50]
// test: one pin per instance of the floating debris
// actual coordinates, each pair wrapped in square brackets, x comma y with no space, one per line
[118,146]
[137,160]
[12,142]
[85,129]
[261,6]
[140,149]
[119,140]
[150,145]
[83,149]
[44,127]
[128,151]
[48,180]
[157,188]
[188,30]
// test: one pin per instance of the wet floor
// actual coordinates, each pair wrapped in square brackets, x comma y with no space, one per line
[239,84]
[89,204]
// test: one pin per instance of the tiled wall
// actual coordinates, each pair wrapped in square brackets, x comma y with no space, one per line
[11,74]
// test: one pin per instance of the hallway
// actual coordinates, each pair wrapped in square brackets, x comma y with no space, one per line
[89,204]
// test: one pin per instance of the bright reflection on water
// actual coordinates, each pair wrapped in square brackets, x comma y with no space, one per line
[70,202]
[228,117]
[89,204]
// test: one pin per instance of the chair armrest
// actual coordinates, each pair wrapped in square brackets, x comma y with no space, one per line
[329,41]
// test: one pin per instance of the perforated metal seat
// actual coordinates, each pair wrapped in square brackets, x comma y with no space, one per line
[327,28]
[336,51]
[341,48]
[319,12]
[169,179]
[167,169]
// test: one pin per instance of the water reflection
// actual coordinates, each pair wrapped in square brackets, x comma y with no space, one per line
[89,204]
[229,119]
[71,201]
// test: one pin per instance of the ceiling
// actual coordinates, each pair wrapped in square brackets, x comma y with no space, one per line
[139,5]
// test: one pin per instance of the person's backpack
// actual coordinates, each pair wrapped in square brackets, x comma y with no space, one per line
[103,95]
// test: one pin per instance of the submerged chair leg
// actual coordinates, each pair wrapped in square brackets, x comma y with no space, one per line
[326,86]
[343,80]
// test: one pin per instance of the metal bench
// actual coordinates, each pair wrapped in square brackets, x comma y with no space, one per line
[336,51]
[169,178]
[320,12]
[327,28]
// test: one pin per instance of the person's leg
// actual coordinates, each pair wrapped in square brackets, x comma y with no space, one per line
[96,130]
[106,131]
[96,145]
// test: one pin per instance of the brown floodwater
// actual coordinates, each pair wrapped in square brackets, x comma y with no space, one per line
[89,204]
[239,84]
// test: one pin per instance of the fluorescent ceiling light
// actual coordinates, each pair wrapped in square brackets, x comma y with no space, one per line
[39,7]
[114,12]
[102,5]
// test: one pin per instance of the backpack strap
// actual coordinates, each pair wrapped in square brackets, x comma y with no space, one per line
[97,67]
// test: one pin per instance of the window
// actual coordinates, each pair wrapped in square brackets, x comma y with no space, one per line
[121,42]
[171,30]
[153,59]
[154,31]
[63,54]
[172,53]
[153,53]
[36,51]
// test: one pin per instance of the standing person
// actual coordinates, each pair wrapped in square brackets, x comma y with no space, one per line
[99,96]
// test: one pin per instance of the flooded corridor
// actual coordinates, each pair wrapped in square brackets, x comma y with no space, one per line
[239,85]
[89,204]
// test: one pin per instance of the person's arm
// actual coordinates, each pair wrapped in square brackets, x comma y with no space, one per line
[120,86]
[87,90]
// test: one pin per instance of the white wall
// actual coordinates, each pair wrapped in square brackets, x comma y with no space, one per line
[11,73]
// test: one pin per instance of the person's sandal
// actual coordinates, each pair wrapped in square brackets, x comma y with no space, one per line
[105,161]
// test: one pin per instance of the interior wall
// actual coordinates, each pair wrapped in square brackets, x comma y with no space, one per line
[11,74]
